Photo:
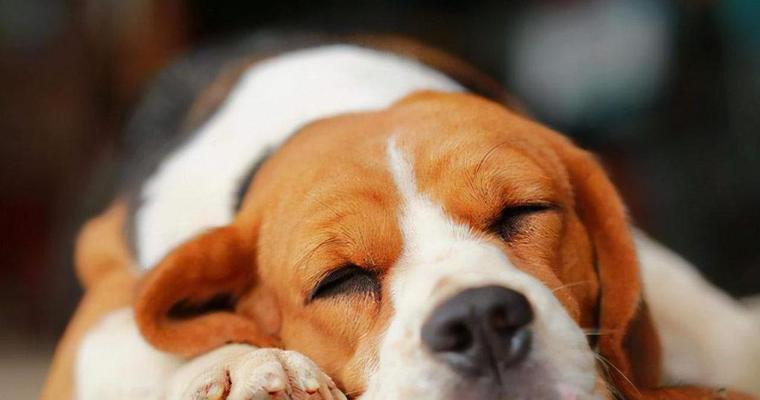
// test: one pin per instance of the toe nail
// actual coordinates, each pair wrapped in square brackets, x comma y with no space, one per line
[214,392]
[310,385]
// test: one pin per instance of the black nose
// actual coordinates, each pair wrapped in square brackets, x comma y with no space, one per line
[480,330]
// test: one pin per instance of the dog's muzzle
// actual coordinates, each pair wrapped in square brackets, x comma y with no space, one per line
[481,331]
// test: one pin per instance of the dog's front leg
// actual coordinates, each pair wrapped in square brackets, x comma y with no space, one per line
[242,372]
[114,362]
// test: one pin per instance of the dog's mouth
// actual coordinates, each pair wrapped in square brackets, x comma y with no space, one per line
[529,381]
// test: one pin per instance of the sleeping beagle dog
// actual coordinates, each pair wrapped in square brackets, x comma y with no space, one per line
[370,220]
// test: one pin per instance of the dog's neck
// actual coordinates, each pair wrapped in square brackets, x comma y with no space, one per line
[195,187]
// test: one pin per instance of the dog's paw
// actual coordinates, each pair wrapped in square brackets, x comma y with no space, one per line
[262,374]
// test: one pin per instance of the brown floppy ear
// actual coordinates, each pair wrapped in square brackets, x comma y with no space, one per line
[185,305]
[628,340]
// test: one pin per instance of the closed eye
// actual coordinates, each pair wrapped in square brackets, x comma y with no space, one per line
[346,280]
[512,220]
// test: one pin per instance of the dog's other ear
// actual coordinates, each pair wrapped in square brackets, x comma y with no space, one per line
[185,305]
[628,340]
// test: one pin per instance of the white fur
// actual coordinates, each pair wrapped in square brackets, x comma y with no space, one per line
[436,249]
[708,338]
[114,362]
[194,188]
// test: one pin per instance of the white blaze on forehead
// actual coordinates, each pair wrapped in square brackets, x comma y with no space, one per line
[424,224]
[434,246]
[195,187]
[440,258]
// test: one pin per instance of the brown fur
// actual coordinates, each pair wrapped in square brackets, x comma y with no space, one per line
[327,198]
[104,268]
[488,156]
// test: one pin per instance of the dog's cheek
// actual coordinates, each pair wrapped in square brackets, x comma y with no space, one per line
[261,305]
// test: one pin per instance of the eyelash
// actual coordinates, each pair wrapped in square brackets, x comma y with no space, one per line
[507,223]
[347,279]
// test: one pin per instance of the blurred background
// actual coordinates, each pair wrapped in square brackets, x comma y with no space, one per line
[666,92]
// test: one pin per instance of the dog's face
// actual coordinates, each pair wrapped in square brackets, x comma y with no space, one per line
[444,248]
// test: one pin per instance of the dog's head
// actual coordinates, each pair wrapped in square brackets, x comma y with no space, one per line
[443,248]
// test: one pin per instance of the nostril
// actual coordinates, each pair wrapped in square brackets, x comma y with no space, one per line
[447,336]
[510,314]
[499,320]
[457,337]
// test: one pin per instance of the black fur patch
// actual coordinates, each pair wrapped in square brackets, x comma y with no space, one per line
[245,182]
[157,125]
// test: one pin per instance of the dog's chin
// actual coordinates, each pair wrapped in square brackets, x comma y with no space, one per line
[524,383]
[529,381]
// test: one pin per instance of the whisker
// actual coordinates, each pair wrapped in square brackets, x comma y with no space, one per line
[614,391]
[607,363]
[598,332]
[571,284]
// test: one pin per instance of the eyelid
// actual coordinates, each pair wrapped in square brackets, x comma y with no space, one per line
[534,206]
[336,275]
[526,208]
[519,210]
